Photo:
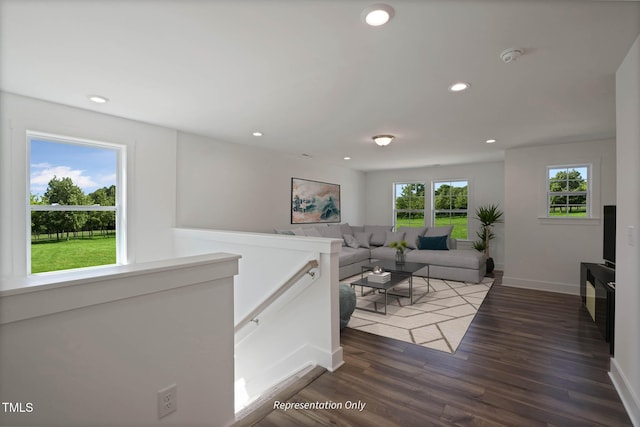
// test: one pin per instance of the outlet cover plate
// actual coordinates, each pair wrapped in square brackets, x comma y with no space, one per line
[167,400]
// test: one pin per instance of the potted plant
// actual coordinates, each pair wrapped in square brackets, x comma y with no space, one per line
[488,216]
[399,246]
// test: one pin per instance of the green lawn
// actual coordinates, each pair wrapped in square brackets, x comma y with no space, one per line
[54,255]
[575,214]
[459,225]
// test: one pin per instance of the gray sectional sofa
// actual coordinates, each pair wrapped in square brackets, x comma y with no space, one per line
[363,244]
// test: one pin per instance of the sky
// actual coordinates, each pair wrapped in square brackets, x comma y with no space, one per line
[88,167]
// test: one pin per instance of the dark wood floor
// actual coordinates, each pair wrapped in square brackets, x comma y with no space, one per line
[529,358]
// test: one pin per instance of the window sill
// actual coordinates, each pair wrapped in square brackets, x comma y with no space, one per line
[568,221]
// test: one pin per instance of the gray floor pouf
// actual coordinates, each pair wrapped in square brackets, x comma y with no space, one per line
[347,304]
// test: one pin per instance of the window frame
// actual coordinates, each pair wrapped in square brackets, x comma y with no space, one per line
[435,211]
[120,208]
[396,211]
[588,193]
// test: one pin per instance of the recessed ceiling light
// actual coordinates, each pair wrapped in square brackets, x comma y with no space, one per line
[347,158]
[257,134]
[378,14]
[490,141]
[459,86]
[98,99]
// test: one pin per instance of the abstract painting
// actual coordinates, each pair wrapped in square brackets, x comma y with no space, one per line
[314,201]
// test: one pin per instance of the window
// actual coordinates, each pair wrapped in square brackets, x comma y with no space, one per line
[408,208]
[450,200]
[568,191]
[75,204]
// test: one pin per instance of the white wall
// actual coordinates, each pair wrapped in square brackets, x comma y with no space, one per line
[543,253]
[625,369]
[301,327]
[95,351]
[486,186]
[151,177]
[235,187]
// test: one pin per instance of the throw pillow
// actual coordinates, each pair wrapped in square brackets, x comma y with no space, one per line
[364,239]
[411,235]
[433,243]
[332,232]
[351,241]
[346,228]
[393,236]
[298,231]
[439,231]
[378,233]
[312,232]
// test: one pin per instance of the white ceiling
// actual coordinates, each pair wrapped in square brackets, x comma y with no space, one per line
[316,80]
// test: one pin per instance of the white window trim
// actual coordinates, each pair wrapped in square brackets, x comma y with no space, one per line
[589,193]
[395,211]
[121,197]
[433,202]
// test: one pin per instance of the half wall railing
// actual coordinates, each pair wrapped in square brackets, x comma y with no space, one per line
[255,313]
[298,312]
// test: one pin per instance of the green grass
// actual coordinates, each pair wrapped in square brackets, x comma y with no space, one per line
[459,225]
[54,255]
[575,214]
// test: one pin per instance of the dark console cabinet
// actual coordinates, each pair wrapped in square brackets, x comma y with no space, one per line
[597,289]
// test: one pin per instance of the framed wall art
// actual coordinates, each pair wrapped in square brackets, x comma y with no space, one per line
[314,201]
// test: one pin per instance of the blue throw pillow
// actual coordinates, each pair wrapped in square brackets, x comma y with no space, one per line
[434,243]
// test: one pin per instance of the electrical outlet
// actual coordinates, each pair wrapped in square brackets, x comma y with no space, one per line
[167,400]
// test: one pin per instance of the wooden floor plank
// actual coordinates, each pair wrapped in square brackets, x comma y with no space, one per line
[529,358]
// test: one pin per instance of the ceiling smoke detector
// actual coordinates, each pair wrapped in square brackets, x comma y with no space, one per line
[510,55]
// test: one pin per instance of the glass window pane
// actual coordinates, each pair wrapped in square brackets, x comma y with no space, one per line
[459,222]
[72,173]
[57,245]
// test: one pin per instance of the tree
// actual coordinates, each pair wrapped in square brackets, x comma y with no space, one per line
[411,198]
[102,220]
[564,183]
[62,191]
[38,220]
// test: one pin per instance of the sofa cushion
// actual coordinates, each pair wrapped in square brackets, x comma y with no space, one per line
[393,236]
[351,255]
[312,232]
[379,233]
[364,239]
[283,231]
[411,235]
[439,231]
[461,258]
[351,240]
[346,229]
[357,229]
[383,252]
[298,231]
[332,232]
[436,243]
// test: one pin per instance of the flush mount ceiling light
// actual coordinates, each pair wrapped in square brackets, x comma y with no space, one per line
[257,134]
[98,99]
[347,158]
[377,14]
[490,141]
[383,140]
[459,86]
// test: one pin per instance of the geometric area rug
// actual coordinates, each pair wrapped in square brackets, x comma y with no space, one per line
[437,320]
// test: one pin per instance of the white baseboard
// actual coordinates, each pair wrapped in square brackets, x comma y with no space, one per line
[282,369]
[562,288]
[627,394]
